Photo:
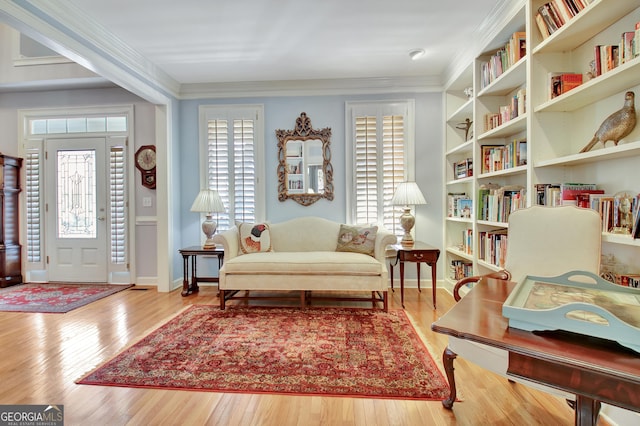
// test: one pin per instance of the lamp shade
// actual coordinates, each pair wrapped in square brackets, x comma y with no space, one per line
[207,201]
[408,194]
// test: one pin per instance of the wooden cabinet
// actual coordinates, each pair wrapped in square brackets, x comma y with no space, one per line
[555,129]
[10,249]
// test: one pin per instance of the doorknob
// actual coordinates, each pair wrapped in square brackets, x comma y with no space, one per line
[100,218]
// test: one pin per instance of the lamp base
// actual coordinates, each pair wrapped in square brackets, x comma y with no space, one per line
[407,241]
[209,228]
[407,221]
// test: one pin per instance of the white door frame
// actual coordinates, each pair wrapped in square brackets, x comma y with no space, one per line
[35,270]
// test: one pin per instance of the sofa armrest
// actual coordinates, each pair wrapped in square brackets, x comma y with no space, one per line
[229,241]
[383,239]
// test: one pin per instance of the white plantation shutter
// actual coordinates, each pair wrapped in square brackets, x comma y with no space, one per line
[244,171]
[33,196]
[366,171]
[218,177]
[117,205]
[393,169]
[381,146]
[232,160]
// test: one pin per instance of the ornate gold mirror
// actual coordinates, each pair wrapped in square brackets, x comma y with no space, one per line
[305,174]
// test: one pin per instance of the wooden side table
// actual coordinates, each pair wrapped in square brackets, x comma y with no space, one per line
[190,284]
[420,252]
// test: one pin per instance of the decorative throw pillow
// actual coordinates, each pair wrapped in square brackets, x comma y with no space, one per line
[254,237]
[357,239]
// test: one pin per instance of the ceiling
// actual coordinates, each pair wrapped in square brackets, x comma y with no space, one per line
[200,41]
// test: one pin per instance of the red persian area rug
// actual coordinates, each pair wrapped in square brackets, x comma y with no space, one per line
[317,351]
[53,298]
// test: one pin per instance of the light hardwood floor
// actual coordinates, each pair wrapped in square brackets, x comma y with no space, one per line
[41,355]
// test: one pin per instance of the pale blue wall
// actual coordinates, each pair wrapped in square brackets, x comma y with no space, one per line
[324,111]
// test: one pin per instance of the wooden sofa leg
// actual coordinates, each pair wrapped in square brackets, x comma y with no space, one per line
[385,301]
[221,293]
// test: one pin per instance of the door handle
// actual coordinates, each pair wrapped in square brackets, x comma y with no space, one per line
[101,218]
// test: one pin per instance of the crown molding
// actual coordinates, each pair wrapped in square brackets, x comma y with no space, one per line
[63,27]
[347,86]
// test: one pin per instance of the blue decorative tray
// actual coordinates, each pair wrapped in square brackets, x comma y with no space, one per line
[579,302]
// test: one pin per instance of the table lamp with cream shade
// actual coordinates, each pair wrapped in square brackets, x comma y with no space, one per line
[407,194]
[208,202]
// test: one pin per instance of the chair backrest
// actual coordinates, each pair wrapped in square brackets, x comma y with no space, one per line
[549,241]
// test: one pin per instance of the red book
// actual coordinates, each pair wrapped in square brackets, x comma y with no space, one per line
[598,62]
[570,81]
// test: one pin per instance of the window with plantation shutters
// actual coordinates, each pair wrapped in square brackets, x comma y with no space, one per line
[380,142]
[231,143]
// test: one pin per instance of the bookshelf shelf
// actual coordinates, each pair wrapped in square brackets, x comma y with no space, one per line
[510,80]
[459,219]
[592,20]
[509,128]
[457,252]
[465,111]
[512,171]
[462,148]
[610,152]
[488,265]
[493,223]
[460,181]
[620,239]
[596,89]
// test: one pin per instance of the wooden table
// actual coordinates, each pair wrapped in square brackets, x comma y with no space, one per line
[190,283]
[595,370]
[418,253]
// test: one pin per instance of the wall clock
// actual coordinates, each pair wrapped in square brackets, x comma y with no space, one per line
[146,162]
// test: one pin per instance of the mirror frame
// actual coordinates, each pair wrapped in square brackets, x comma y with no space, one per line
[304,132]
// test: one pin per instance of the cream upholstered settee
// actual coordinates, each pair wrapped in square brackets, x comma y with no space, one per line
[309,256]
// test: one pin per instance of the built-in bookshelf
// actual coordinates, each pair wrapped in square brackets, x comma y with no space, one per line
[540,143]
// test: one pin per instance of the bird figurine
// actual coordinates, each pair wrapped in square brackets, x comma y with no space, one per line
[617,125]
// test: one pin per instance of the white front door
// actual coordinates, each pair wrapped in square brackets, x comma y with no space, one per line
[76,210]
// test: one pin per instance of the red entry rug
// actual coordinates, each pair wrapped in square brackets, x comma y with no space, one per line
[53,298]
[317,351]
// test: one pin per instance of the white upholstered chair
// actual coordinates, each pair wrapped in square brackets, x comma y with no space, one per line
[542,241]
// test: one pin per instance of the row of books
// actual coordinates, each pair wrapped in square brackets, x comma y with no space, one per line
[628,280]
[463,169]
[516,108]
[562,194]
[459,204]
[503,157]
[561,82]
[619,213]
[607,57]
[492,246]
[467,241]
[459,269]
[496,203]
[504,58]
[553,15]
